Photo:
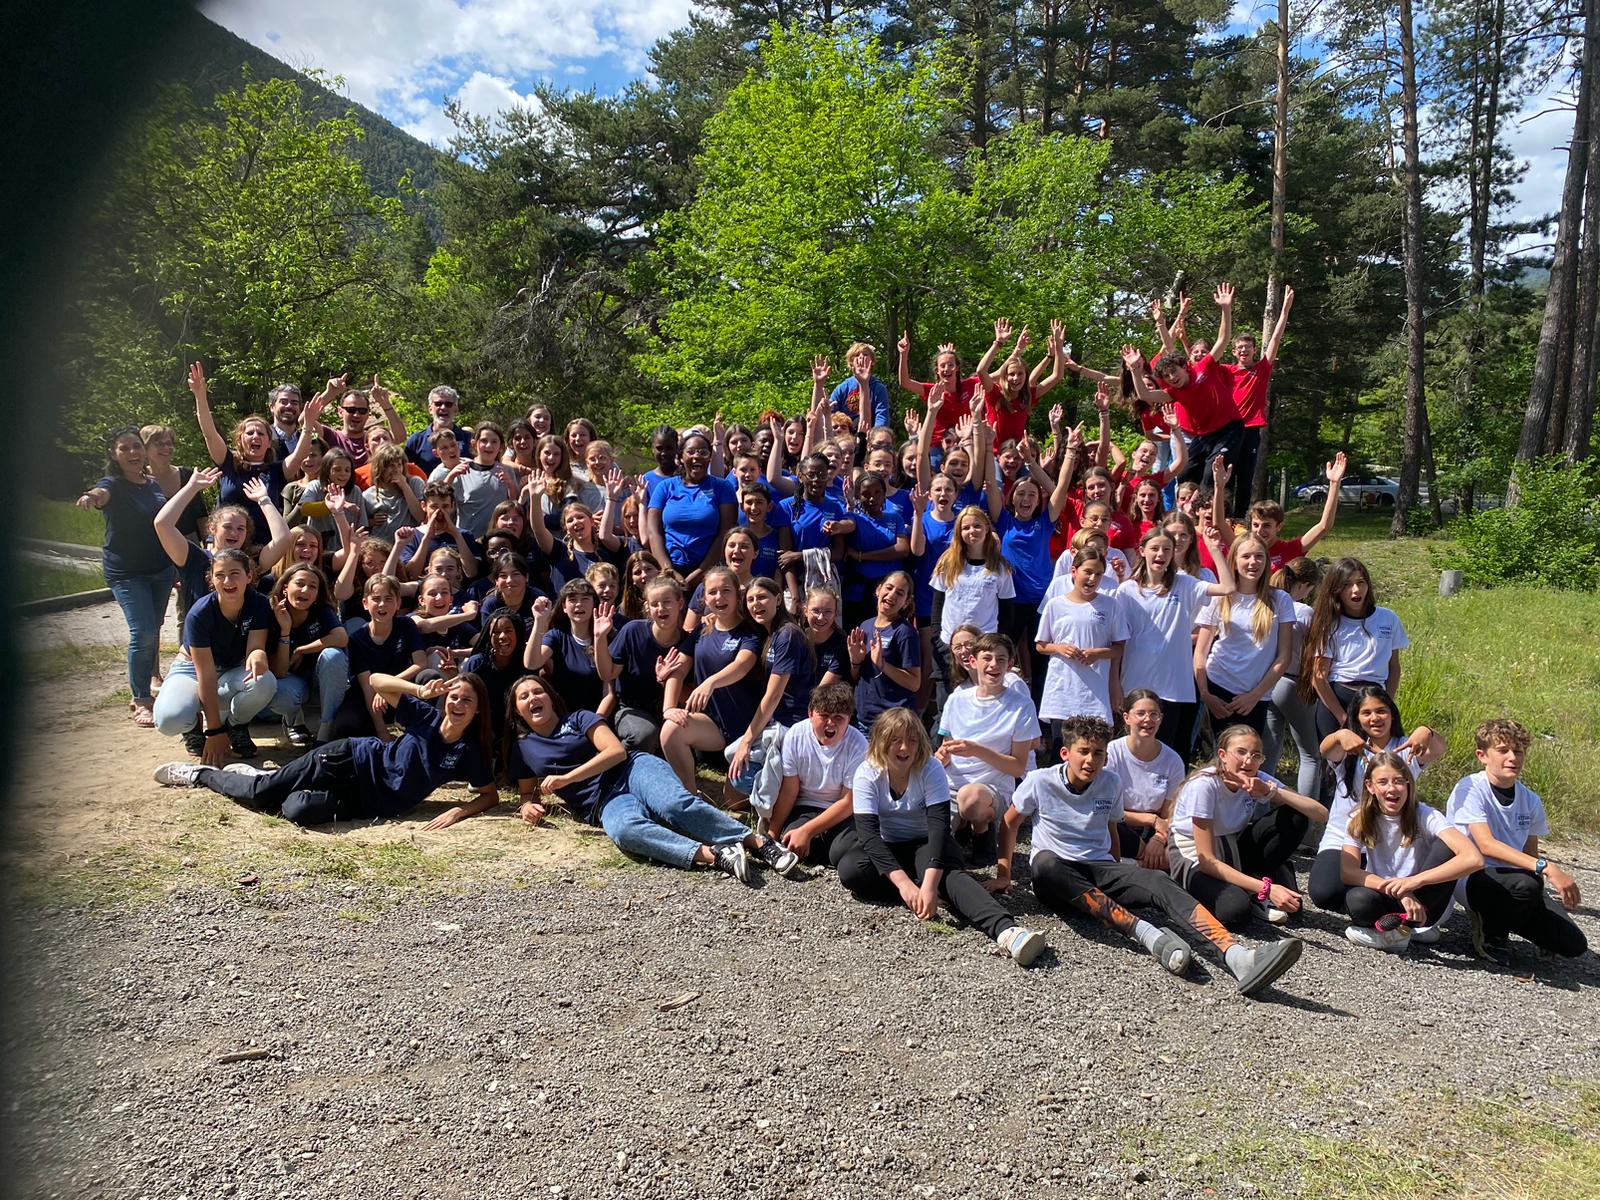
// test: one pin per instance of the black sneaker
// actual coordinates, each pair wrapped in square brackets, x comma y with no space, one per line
[241,742]
[194,741]
[778,856]
[301,738]
[731,860]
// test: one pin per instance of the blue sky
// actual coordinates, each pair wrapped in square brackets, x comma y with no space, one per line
[406,58]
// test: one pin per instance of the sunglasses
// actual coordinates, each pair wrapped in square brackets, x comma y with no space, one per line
[357,412]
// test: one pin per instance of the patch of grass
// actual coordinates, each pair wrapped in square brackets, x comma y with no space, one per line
[1471,1148]
[63,521]
[325,857]
[73,658]
[37,581]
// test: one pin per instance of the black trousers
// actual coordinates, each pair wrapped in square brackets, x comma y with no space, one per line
[1225,441]
[823,843]
[1244,471]
[1328,888]
[1365,905]
[1256,718]
[1508,900]
[1346,692]
[1177,727]
[959,889]
[1062,886]
[1264,847]
[314,789]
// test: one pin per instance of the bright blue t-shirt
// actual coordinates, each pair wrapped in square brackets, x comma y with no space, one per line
[1026,546]
[872,533]
[806,520]
[691,516]
[936,535]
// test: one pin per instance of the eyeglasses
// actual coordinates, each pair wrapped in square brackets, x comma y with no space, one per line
[444,403]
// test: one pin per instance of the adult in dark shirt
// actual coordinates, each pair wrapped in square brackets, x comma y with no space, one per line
[636,798]
[369,778]
[222,678]
[284,403]
[444,406]
[136,568]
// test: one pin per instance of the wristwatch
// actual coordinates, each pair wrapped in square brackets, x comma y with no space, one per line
[1539,864]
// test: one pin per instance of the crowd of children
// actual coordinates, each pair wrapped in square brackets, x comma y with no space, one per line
[900,653]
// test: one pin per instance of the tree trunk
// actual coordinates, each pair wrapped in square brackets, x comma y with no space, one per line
[1415,421]
[1050,49]
[980,75]
[1280,201]
[1552,362]
[1585,349]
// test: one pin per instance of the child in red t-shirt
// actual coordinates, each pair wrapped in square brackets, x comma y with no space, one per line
[1010,394]
[1266,520]
[959,392]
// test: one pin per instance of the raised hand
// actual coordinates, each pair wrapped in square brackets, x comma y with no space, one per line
[1155,310]
[820,369]
[1132,356]
[1335,470]
[616,484]
[913,422]
[1169,414]
[1223,295]
[904,344]
[965,427]
[604,617]
[856,643]
[1058,334]
[378,393]
[205,477]
[668,665]
[197,381]
[434,688]
[1056,415]
[876,650]
[1002,331]
[947,347]
[1102,397]
[541,610]
[1288,297]
[919,499]
[255,490]
[1023,340]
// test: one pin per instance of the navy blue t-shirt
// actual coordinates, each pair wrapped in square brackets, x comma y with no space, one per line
[498,680]
[691,516]
[567,748]
[875,692]
[419,446]
[634,649]
[236,474]
[407,553]
[492,602]
[833,656]
[207,626]
[806,518]
[389,657]
[789,653]
[732,705]
[572,670]
[319,622]
[399,775]
[131,546]
[567,564]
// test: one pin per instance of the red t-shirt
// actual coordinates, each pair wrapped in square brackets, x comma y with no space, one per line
[1154,424]
[1131,488]
[1284,551]
[1009,424]
[954,407]
[1205,403]
[1250,387]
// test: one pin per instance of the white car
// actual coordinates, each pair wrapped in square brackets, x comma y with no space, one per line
[1365,490]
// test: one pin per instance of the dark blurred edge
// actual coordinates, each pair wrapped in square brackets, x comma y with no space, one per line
[73,71]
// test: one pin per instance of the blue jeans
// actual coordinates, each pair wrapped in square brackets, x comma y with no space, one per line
[651,816]
[238,700]
[143,599]
[332,675]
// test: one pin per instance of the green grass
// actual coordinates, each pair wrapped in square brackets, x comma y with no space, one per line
[63,521]
[37,582]
[1522,652]
[1456,1148]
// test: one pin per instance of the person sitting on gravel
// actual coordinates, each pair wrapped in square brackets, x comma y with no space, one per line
[1077,865]
[636,798]
[820,756]
[366,778]
[901,845]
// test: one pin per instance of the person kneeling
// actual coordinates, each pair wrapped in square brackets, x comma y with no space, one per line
[636,798]
[365,778]
[901,844]
[1076,808]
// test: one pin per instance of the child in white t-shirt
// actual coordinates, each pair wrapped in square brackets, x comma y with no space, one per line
[1413,857]
[1081,633]
[1075,809]
[819,756]
[1505,819]
[1151,773]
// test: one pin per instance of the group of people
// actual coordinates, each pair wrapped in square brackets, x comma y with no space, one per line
[896,653]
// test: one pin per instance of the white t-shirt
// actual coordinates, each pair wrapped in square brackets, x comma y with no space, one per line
[973,599]
[1072,826]
[1344,802]
[1391,860]
[1360,646]
[994,723]
[1207,797]
[823,771]
[1145,785]
[1074,688]
[1159,654]
[1237,661]
[1473,802]
[1061,582]
[900,818]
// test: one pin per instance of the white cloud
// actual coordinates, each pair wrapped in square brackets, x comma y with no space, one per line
[402,58]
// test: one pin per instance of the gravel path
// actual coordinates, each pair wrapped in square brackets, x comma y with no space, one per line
[510,1041]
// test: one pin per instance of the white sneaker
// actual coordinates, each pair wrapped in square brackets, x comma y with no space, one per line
[1428,936]
[1393,941]
[240,768]
[1023,945]
[179,774]
[1172,952]
[1271,913]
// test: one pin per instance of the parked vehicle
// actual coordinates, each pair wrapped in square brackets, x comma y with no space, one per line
[1358,488]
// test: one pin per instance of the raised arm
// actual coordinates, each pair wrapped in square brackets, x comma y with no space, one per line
[1180,449]
[925,437]
[904,347]
[215,445]
[1055,357]
[1270,350]
[1330,503]
[1157,318]
[1069,465]
[277,528]
[1224,298]
[177,546]
[381,397]
[1002,335]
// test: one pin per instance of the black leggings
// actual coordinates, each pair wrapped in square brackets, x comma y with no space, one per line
[1177,726]
[1256,718]
[312,790]
[1085,886]
[1509,900]
[1327,887]
[1346,692]
[1265,847]
[958,888]
[1365,905]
